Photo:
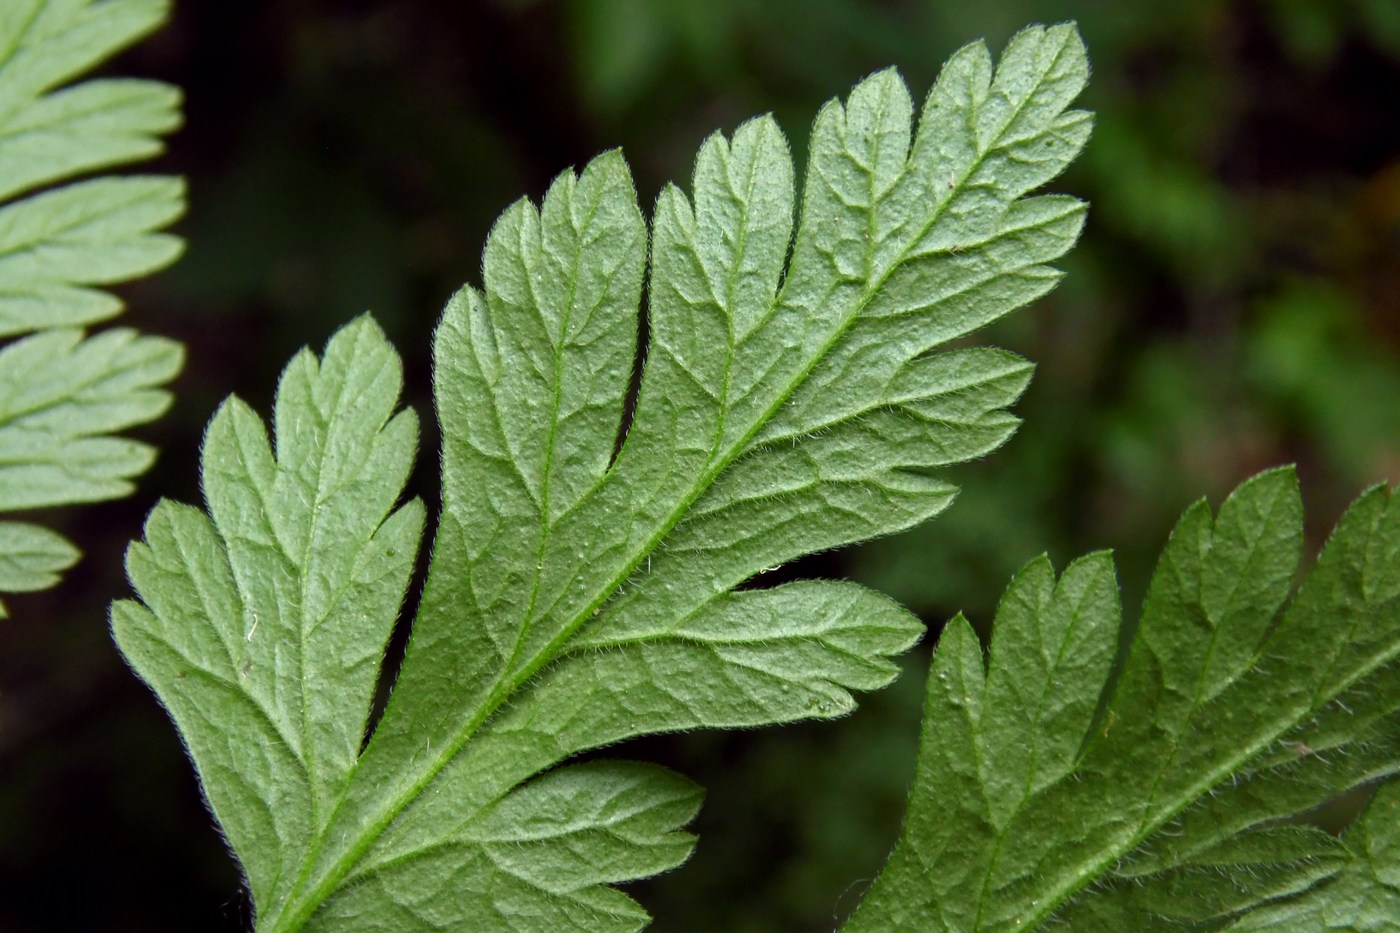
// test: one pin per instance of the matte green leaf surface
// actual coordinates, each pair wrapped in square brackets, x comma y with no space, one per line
[1167,805]
[795,395]
[32,557]
[265,620]
[54,246]
[62,395]
[1364,896]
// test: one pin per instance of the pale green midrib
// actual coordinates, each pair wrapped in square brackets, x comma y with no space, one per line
[302,910]
[25,43]
[504,868]
[722,397]
[22,42]
[137,89]
[1198,698]
[232,684]
[905,402]
[820,636]
[56,454]
[1093,868]
[820,633]
[9,418]
[1317,701]
[543,506]
[153,187]
[722,419]
[1048,687]
[552,437]
[312,762]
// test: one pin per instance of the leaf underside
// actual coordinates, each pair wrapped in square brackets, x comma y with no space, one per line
[1175,803]
[63,395]
[797,394]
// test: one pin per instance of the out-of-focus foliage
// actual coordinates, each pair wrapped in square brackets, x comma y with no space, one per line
[63,395]
[1234,303]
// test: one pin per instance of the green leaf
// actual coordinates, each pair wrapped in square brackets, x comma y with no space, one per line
[60,398]
[54,245]
[796,394]
[1364,895]
[63,395]
[1052,788]
[265,621]
[32,557]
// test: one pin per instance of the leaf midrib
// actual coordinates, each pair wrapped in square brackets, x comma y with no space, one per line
[1049,688]
[552,439]
[302,909]
[306,626]
[1268,734]
[22,42]
[80,394]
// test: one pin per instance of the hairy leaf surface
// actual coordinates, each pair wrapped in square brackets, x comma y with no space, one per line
[796,394]
[1170,805]
[63,395]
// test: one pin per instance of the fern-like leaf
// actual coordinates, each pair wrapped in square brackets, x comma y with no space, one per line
[63,394]
[1237,710]
[583,580]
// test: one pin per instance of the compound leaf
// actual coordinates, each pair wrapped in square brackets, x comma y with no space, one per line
[63,394]
[1054,790]
[795,394]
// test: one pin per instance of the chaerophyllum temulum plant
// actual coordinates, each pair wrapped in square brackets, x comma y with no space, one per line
[64,392]
[803,377]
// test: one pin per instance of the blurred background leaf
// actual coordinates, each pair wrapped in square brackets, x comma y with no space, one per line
[1235,303]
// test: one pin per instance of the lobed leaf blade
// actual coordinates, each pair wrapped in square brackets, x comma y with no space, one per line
[63,397]
[54,245]
[582,584]
[263,623]
[31,558]
[1173,805]
[1364,895]
[699,413]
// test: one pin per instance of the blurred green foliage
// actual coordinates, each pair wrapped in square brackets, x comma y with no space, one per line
[1235,303]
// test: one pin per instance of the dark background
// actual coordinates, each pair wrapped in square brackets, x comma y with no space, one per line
[1233,305]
